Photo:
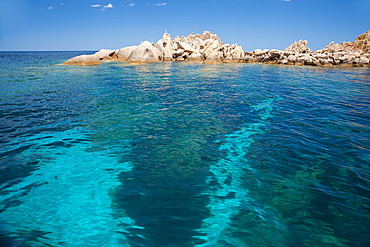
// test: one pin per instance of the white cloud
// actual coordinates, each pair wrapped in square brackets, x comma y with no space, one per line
[105,7]
[158,4]
[108,6]
[131,4]
[285,0]
[50,8]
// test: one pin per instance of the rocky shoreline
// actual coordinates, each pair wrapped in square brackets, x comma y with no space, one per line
[208,48]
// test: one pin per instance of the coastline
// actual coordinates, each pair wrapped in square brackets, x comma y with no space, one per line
[208,48]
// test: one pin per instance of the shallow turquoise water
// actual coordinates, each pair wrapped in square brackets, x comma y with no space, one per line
[182,154]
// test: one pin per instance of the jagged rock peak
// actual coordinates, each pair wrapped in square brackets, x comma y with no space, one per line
[298,46]
[360,45]
[164,46]
[364,36]
[206,47]
[204,36]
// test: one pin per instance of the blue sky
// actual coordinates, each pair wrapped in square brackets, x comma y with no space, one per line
[113,24]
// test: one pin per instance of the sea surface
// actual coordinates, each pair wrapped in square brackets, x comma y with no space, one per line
[178,154]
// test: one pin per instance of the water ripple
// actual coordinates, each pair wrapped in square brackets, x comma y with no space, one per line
[182,154]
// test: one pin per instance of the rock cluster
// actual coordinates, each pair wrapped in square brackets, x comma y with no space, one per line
[353,54]
[312,58]
[207,47]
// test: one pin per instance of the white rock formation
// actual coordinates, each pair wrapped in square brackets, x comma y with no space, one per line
[145,52]
[258,52]
[186,47]
[164,45]
[124,53]
[83,60]
[233,53]
[364,61]
[298,46]
[215,56]
[207,47]
[196,57]
[292,58]
[105,54]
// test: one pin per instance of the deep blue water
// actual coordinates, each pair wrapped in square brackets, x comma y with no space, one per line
[182,154]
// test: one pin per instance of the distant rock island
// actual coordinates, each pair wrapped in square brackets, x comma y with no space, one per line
[208,48]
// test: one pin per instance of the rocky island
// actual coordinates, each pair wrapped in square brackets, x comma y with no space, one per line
[208,48]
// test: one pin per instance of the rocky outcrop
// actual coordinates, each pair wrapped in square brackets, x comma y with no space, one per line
[105,54]
[351,54]
[208,48]
[233,53]
[360,45]
[124,53]
[364,37]
[164,45]
[298,46]
[83,60]
[313,58]
[95,59]
[145,52]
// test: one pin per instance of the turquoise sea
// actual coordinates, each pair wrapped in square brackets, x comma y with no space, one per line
[178,154]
